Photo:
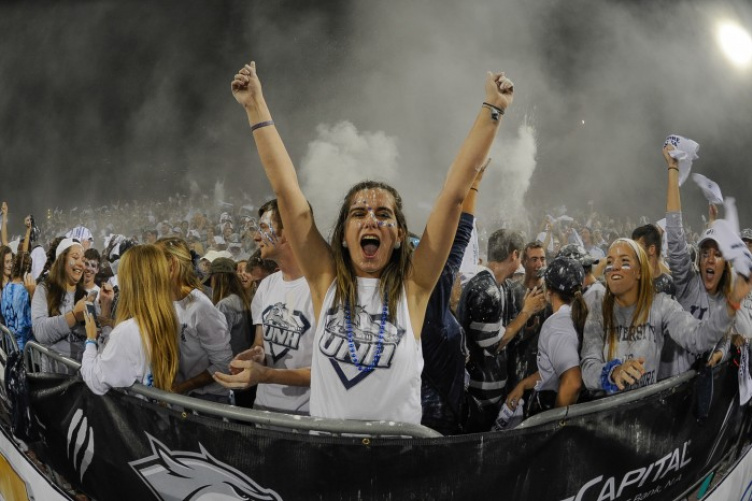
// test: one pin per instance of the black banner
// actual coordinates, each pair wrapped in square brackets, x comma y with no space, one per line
[122,447]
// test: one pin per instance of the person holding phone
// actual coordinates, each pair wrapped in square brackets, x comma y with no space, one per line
[143,346]
[57,308]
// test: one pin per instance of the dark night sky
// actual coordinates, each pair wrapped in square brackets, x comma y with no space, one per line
[106,101]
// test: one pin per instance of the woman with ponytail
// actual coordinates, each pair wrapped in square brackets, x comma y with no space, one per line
[623,339]
[560,337]
[143,346]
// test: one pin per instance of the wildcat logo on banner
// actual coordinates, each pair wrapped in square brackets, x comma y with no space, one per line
[651,448]
[745,382]
[190,476]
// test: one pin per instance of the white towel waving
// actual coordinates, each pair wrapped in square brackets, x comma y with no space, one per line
[685,151]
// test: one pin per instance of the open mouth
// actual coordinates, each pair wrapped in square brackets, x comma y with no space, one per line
[709,273]
[370,245]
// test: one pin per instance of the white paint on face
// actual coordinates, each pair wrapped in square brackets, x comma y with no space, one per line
[622,270]
[371,231]
[75,264]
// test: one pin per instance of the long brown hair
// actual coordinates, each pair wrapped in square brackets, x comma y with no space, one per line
[57,284]
[396,270]
[145,295]
[226,284]
[4,251]
[21,265]
[645,296]
[725,283]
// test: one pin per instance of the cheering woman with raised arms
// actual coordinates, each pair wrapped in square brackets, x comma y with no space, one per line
[369,294]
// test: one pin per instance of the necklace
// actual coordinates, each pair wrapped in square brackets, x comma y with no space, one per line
[379,344]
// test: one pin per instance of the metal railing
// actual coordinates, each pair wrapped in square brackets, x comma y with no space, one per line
[8,345]
[39,357]
[561,413]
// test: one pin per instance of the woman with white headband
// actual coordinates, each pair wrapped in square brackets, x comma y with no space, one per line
[623,339]
[57,308]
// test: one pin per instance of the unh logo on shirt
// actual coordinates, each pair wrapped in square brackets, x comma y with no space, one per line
[283,329]
[365,329]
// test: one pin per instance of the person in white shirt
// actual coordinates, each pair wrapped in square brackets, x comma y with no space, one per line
[369,293]
[143,346]
[282,311]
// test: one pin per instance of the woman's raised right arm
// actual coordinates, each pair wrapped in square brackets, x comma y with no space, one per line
[309,247]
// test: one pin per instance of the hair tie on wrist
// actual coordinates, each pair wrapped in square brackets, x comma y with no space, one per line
[474,189]
[262,124]
[606,383]
[496,112]
[673,168]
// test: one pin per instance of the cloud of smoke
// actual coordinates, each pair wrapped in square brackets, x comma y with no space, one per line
[509,180]
[340,157]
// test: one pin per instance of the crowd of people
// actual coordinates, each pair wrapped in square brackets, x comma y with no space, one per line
[255,308]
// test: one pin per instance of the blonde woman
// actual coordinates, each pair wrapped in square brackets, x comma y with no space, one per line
[204,338]
[143,347]
[623,339]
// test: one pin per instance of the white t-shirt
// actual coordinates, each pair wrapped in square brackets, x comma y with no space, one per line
[391,391]
[558,348]
[285,312]
[121,363]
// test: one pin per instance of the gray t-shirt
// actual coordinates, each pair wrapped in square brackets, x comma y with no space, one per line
[666,318]
[690,293]
[54,331]
[558,348]
[238,321]
[204,342]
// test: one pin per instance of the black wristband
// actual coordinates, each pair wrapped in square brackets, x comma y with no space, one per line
[496,112]
[262,124]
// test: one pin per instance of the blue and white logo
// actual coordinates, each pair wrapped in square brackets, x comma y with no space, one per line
[283,329]
[365,333]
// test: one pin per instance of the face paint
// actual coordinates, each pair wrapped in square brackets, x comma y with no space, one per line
[264,223]
[71,263]
[610,268]
[386,220]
